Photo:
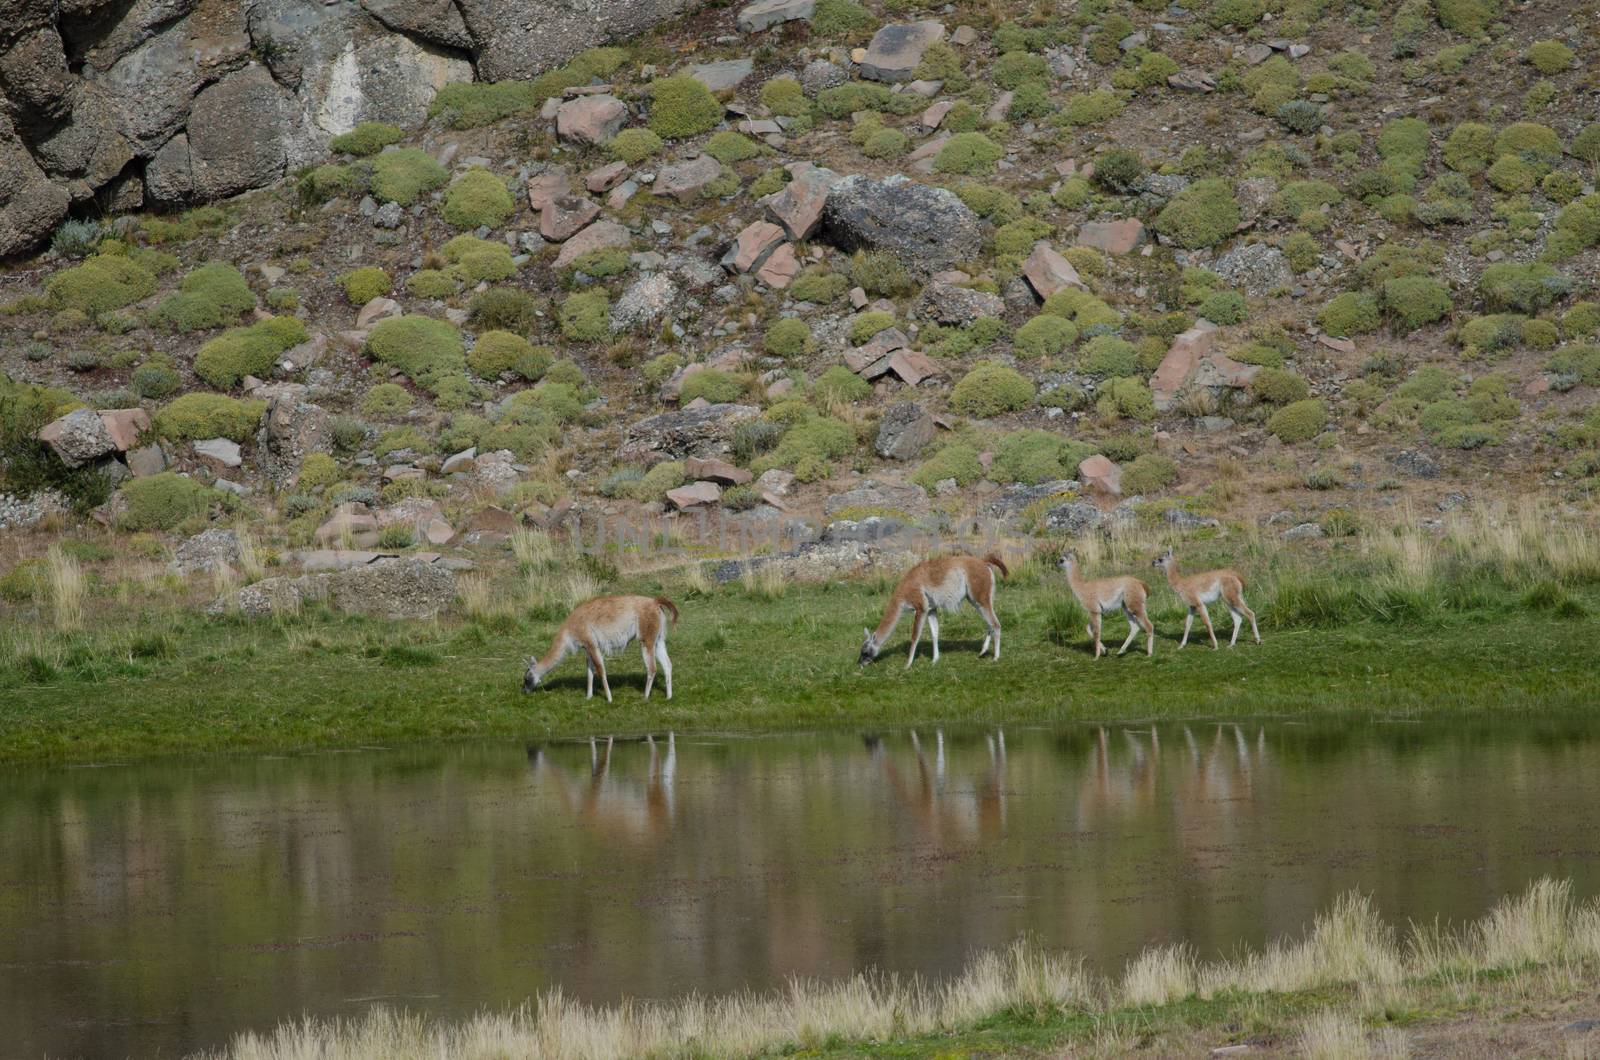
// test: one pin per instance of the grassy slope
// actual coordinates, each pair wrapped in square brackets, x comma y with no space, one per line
[743,662]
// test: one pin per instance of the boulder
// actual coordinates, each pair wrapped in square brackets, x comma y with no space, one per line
[398,588]
[763,14]
[646,301]
[897,49]
[220,452]
[147,460]
[752,246]
[780,269]
[598,236]
[1048,272]
[948,303]
[590,119]
[875,493]
[544,188]
[820,75]
[351,522]
[605,178]
[904,431]
[1179,365]
[928,228]
[723,76]
[694,495]
[817,562]
[714,470]
[912,367]
[78,438]
[566,216]
[291,429]
[684,180]
[687,432]
[206,551]
[798,207]
[1258,269]
[1072,518]
[1113,237]
[377,309]
[31,205]
[1100,475]
[234,141]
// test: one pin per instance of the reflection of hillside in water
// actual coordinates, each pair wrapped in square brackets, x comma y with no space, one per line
[179,901]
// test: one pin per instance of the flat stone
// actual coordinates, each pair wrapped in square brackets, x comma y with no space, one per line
[1101,474]
[1338,345]
[904,431]
[1220,370]
[1256,54]
[897,49]
[949,303]
[912,367]
[377,309]
[606,177]
[147,460]
[565,217]
[684,180]
[714,470]
[1192,80]
[798,206]
[601,235]
[1000,109]
[780,268]
[935,115]
[462,461]
[1176,368]
[222,451]
[1113,237]
[963,36]
[124,426]
[929,228]
[78,437]
[590,119]
[764,14]
[1048,272]
[752,246]
[877,348]
[694,495]
[552,184]
[325,559]
[723,76]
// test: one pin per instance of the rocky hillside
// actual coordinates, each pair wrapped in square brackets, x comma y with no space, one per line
[1283,263]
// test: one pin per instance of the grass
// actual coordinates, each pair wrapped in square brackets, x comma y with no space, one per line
[1351,988]
[1496,615]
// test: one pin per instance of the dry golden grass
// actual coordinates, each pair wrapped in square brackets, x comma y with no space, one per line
[1548,945]
[66,588]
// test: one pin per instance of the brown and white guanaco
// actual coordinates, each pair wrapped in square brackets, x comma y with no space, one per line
[1198,590]
[606,625]
[939,584]
[1109,594]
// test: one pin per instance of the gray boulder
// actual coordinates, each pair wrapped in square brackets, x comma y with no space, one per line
[949,304]
[30,205]
[291,429]
[78,438]
[387,588]
[897,49]
[688,432]
[926,227]
[904,431]
[1257,269]
[206,551]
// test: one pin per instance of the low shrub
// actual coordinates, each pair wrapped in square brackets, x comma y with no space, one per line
[386,399]
[787,337]
[227,359]
[1034,456]
[505,309]
[365,139]
[1089,108]
[426,350]
[155,381]
[586,316]
[729,147]
[1278,386]
[865,325]
[1044,336]
[164,501]
[1107,356]
[713,384]
[99,285]
[839,383]
[1528,288]
[1149,473]
[1298,421]
[818,285]
[405,175]
[210,296]
[832,18]
[880,273]
[956,461]
[1128,397]
[634,145]
[681,107]
[496,353]
[476,199]
[364,284]
[432,283]
[1412,301]
[1351,313]
[969,153]
[990,389]
[1224,307]
[1202,215]
[200,415]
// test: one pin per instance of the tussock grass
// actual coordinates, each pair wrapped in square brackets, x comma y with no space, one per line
[66,588]
[1348,970]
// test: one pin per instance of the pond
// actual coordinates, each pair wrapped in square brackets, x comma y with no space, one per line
[159,907]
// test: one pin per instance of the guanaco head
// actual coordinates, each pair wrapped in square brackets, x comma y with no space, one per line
[869,648]
[1068,560]
[1163,561]
[532,678]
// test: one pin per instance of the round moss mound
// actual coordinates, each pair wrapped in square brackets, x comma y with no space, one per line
[200,415]
[102,283]
[477,199]
[1202,215]
[586,317]
[713,384]
[1299,421]
[386,399]
[789,337]
[970,153]
[227,359]
[1045,335]
[365,139]
[839,383]
[498,352]
[681,107]
[404,176]
[634,145]
[990,389]
[425,349]
[164,501]
[363,285]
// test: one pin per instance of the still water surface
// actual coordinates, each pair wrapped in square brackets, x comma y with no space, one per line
[155,908]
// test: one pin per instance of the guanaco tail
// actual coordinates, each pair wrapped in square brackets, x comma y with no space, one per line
[606,625]
[1198,590]
[940,584]
[1102,595]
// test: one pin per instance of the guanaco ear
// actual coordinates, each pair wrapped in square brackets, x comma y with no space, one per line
[867,633]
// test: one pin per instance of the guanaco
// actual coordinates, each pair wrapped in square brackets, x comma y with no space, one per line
[934,585]
[605,625]
[1198,590]
[1108,594]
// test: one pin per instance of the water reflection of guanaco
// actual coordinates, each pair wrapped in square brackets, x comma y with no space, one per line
[961,817]
[611,803]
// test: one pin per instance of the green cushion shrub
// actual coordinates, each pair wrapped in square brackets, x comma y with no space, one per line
[1413,301]
[386,399]
[425,349]
[365,139]
[404,176]
[498,352]
[990,389]
[1044,336]
[713,384]
[364,284]
[1149,473]
[839,383]
[238,352]
[1202,215]
[1351,313]
[633,145]
[957,461]
[477,198]
[100,284]
[787,337]
[1299,421]
[970,153]
[164,501]
[681,107]
[586,316]
[200,415]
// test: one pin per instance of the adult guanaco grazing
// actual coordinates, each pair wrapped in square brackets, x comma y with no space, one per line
[1109,594]
[934,585]
[1198,590]
[606,625]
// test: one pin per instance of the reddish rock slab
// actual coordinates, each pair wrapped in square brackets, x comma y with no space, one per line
[1100,474]
[753,246]
[606,177]
[683,180]
[590,119]
[565,217]
[912,367]
[694,495]
[598,236]
[377,309]
[124,426]
[780,269]
[1113,237]
[1180,362]
[934,116]
[798,207]
[719,471]
[1048,272]
[548,186]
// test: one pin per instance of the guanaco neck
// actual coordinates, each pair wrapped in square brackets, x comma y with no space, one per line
[1075,580]
[1174,579]
[553,657]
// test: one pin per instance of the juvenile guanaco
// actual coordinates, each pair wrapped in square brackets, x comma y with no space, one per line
[1109,594]
[934,585]
[606,625]
[1198,590]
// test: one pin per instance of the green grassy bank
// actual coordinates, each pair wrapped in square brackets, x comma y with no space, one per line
[1342,632]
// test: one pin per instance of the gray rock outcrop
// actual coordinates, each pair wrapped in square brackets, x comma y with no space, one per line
[926,227]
